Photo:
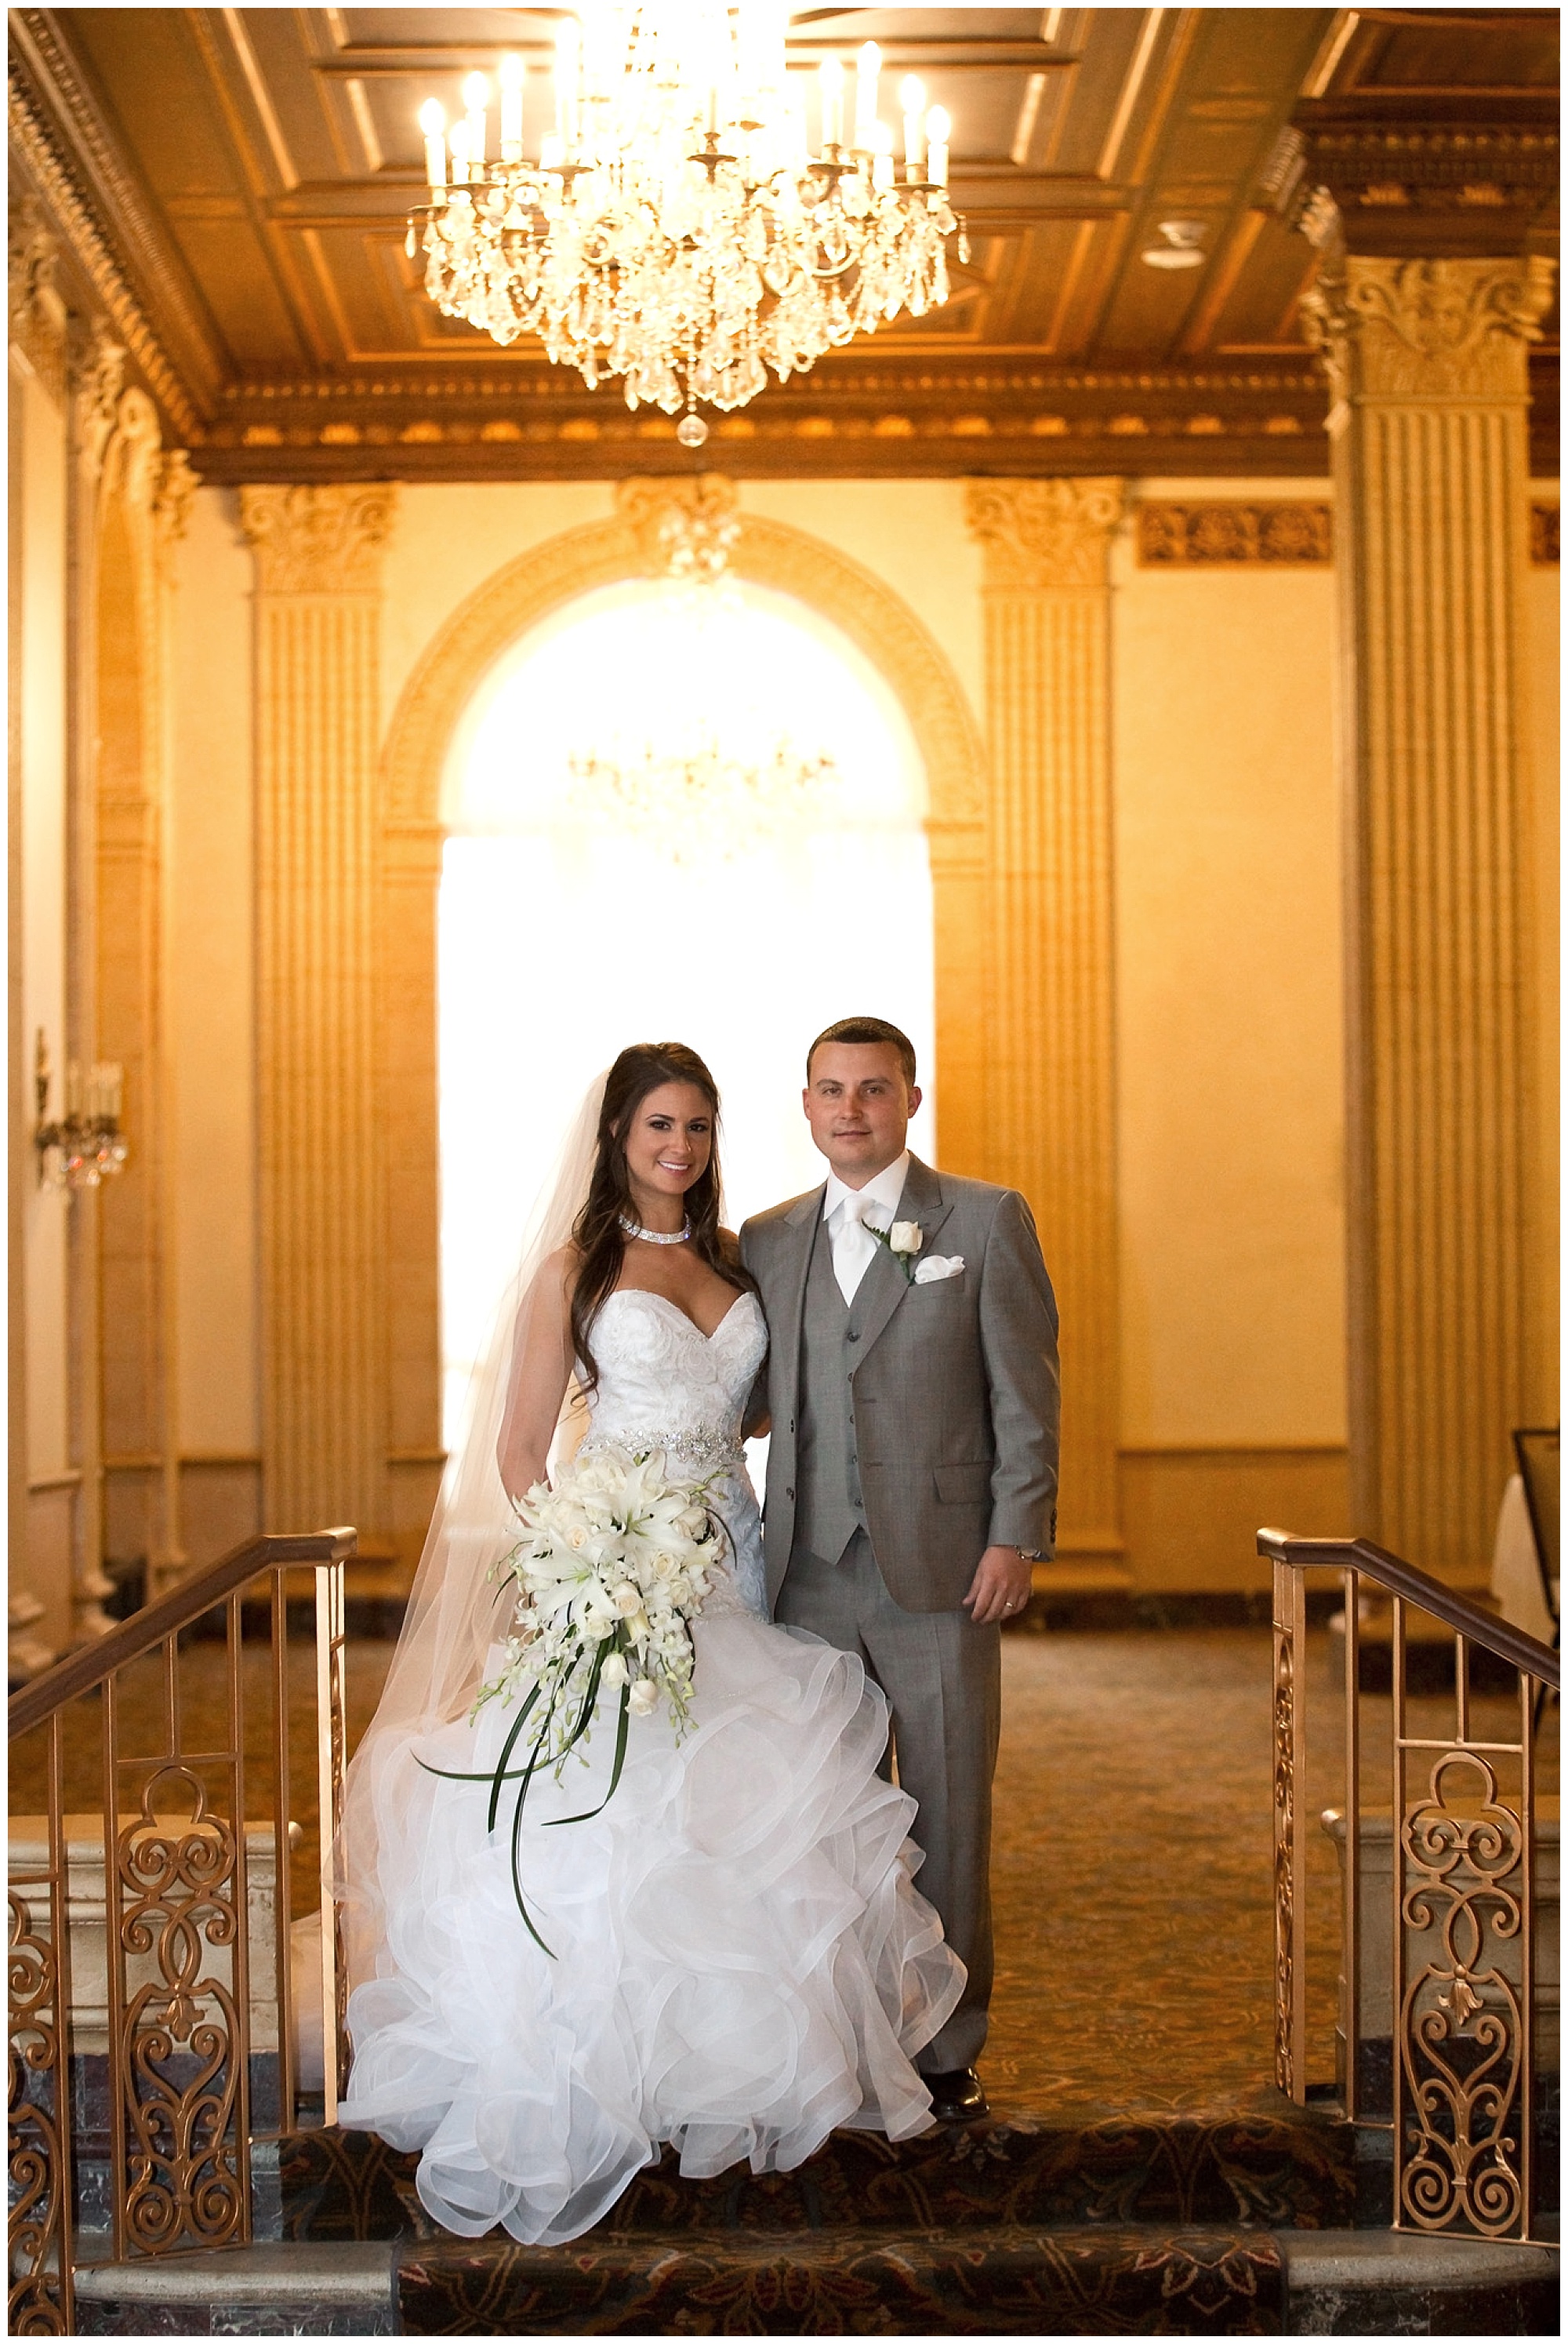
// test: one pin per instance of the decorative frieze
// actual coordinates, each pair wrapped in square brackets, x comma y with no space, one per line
[1227,534]
[324,1408]
[1050,1094]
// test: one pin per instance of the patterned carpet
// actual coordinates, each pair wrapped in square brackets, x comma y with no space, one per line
[1132,1848]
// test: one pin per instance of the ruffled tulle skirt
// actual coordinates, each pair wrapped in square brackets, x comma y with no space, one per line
[741,1962]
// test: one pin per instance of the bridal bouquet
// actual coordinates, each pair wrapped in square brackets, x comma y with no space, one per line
[610,1571]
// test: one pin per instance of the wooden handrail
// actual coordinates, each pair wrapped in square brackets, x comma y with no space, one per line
[80,1671]
[1401,1578]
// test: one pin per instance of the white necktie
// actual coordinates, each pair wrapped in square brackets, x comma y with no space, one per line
[853,1244]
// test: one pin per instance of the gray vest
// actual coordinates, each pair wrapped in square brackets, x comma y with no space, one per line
[828,1509]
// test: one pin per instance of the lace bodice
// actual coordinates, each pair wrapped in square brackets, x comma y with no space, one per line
[664,1384]
[660,1376]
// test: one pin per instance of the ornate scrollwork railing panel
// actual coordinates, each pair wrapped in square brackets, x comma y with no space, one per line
[38,2110]
[180,2051]
[1464,2107]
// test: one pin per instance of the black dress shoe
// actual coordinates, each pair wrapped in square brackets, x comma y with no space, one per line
[957,2096]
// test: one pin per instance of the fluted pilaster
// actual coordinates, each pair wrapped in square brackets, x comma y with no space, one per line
[1427,362]
[1051,1096]
[323,1406]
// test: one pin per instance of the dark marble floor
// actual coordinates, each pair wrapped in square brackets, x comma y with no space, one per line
[1131,1857]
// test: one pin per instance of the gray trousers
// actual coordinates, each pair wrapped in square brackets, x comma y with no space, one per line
[942,1676]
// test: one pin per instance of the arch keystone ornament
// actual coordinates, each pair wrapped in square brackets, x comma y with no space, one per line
[1050,1089]
[324,1271]
[652,514]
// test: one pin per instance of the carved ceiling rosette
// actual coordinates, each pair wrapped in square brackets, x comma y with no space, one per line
[318,540]
[1433,329]
[1040,533]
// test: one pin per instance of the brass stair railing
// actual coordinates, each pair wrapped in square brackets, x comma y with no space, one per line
[1438,2040]
[153,2003]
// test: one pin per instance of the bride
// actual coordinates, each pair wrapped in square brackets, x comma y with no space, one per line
[737,1960]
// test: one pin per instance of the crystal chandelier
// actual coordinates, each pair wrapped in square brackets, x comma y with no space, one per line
[677,228]
[701,798]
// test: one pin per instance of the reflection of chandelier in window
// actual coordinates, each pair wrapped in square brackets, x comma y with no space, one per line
[677,229]
[696,798]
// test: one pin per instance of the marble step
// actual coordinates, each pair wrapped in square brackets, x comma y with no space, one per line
[996,2280]
[1265,2164]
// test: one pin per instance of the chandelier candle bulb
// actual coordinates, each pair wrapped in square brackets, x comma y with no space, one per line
[867,69]
[831,76]
[882,169]
[513,70]
[433,122]
[913,97]
[938,130]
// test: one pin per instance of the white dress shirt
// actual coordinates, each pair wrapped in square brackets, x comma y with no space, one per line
[843,1210]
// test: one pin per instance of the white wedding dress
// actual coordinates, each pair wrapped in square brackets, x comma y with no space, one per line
[741,1962]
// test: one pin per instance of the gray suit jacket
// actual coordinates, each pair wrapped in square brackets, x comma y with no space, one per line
[955,1397]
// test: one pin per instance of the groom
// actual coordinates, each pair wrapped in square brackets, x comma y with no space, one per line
[911,1474]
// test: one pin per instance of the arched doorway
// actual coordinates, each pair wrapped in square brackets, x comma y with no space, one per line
[669,811]
[867,614]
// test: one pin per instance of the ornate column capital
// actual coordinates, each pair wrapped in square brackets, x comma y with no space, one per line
[1427,329]
[683,529]
[176,485]
[1039,534]
[96,363]
[318,540]
[36,312]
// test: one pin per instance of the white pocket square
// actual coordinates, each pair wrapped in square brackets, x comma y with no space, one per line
[939,1265]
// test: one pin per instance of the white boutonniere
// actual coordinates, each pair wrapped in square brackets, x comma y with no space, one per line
[903,1240]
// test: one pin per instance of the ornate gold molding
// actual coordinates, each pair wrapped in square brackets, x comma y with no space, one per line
[1228,535]
[1039,534]
[318,540]
[1545,521]
[1427,329]
[42,156]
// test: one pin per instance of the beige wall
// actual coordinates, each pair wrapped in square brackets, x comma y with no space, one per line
[1228,982]
[1228,979]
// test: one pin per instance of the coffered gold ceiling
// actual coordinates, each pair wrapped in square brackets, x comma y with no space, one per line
[248,173]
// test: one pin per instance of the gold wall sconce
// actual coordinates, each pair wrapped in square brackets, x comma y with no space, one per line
[87,1146]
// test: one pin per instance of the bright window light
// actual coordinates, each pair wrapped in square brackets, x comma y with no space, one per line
[583,906]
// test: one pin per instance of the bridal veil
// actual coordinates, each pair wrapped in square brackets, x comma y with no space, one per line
[454,1614]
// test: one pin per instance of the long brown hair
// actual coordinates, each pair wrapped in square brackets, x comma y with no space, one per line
[597,1233]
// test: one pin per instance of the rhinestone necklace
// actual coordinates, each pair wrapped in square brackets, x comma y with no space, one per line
[657,1236]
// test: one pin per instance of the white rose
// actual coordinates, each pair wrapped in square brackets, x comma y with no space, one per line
[906,1237]
[626,1597]
[644,1697]
[613,1673]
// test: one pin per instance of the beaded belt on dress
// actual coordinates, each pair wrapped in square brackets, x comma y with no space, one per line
[706,1450]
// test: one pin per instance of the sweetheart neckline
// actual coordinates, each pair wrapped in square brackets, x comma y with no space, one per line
[684,1315]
